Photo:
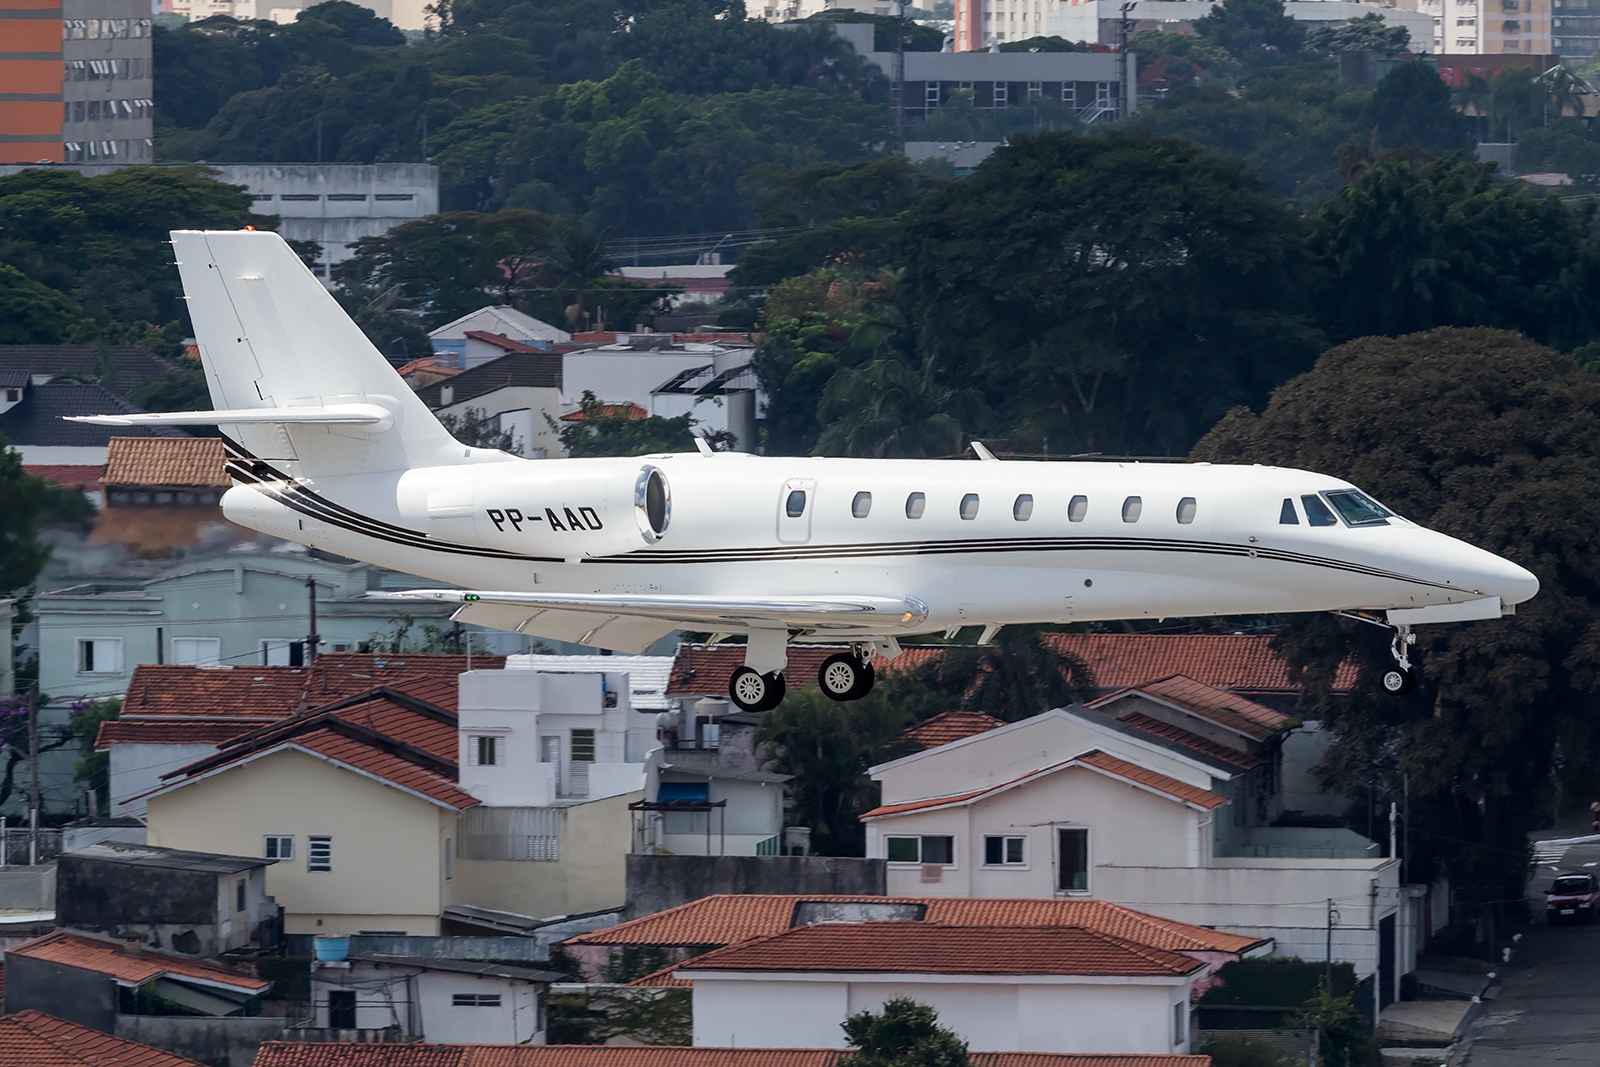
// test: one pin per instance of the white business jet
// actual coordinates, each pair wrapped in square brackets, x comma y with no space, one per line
[329,448]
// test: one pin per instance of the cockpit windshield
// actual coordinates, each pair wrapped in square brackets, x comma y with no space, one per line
[1357,508]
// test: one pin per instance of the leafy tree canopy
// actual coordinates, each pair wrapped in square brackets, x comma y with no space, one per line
[1489,437]
[1257,33]
[32,313]
[904,1034]
[1365,33]
[1411,107]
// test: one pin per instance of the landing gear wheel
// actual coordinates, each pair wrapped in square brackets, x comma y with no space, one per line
[1398,681]
[844,677]
[751,690]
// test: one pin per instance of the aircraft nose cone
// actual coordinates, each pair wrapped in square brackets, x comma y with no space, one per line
[1514,584]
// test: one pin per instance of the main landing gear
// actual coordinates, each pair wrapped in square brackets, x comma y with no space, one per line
[843,676]
[1401,678]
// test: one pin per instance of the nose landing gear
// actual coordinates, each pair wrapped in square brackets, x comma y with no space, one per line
[1401,678]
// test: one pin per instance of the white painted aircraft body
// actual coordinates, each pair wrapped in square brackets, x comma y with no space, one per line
[329,448]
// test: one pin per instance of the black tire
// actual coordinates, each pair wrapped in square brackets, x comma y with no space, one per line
[868,677]
[1398,682]
[749,689]
[776,688]
[840,676]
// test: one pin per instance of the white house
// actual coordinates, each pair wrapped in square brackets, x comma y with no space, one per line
[517,393]
[450,340]
[1074,802]
[710,382]
[435,1000]
[1001,988]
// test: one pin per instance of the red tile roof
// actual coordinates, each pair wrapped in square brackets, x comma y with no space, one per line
[934,948]
[115,960]
[1241,761]
[662,979]
[34,1039]
[1100,761]
[314,1054]
[195,462]
[71,475]
[1241,662]
[135,732]
[947,727]
[501,341]
[1223,708]
[704,670]
[628,410]
[726,919]
[404,773]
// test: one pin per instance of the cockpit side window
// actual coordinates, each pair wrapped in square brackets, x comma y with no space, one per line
[1287,516]
[1317,513]
[1357,508]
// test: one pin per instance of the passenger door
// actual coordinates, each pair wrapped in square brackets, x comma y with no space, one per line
[795,505]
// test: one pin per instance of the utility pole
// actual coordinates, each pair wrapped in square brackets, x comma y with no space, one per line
[1123,26]
[1327,977]
[1394,815]
[314,638]
[33,775]
[899,11]
[1405,862]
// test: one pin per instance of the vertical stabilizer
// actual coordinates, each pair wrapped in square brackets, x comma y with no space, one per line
[271,336]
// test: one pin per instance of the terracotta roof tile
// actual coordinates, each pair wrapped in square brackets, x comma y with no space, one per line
[167,461]
[947,727]
[704,670]
[134,732]
[501,341]
[313,1054]
[934,948]
[1242,761]
[1130,772]
[662,979]
[1241,662]
[629,410]
[113,959]
[727,919]
[1221,707]
[72,475]
[33,1039]
[390,768]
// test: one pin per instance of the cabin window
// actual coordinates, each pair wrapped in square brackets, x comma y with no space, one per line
[1077,508]
[795,506]
[1358,509]
[916,504]
[1022,510]
[1317,513]
[1186,510]
[969,506]
[1287,515]
[861,506]
[1131,508]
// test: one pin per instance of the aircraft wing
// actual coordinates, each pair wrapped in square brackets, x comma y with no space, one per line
[629,622]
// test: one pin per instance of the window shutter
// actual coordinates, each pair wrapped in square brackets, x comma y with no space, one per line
[472,751]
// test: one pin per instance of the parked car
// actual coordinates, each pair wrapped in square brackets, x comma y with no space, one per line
[1572,896]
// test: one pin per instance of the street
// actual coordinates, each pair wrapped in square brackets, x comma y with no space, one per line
[1548,1008]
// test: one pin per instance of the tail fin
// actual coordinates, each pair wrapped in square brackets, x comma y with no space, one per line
[271,337]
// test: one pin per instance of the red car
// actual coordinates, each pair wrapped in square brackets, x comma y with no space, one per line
[1574,897]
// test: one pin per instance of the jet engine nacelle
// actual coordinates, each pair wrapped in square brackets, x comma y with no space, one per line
[565,511]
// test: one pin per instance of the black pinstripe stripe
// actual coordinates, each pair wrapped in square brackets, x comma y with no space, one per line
[277,485]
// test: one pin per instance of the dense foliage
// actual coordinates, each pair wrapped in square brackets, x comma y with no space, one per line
[905,1033]
[1491,438]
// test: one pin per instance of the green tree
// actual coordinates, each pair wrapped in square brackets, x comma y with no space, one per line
[478,429]
[1366,33]
[1413,244]
[1489,437]
[32,313]
[604,430]
[359,25]
[905,1033]
[93,769]
[1115,293]
[1565,146]
[1411,107]
[1257,33]
[828,747]
[1016,676]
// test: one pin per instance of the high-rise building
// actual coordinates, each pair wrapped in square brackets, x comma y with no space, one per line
[75,81]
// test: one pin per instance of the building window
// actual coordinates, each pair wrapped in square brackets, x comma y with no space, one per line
[348,196]
[319,854]
[1180,1023]
[482,751]
[196,651]
[278,847]
[99,655]
[1005,851]
[238,895]
[1072,863]
[394,196]
[282,652]
[475,1000]
[582,746]
[939,849]
[342,1009]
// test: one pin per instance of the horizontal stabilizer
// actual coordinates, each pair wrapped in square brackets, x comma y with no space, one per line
[333,414]
[528,613]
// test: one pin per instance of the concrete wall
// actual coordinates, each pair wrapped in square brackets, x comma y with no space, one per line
[79,996]
[594,839]
[1303,749]
[227,1042]
[656,883]
[540,438]
[28,888]
[519,1019]
[1002,1015]
[387,844]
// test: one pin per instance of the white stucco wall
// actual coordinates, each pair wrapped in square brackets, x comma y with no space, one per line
[998,1014]
[137,769]
[515,1021]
